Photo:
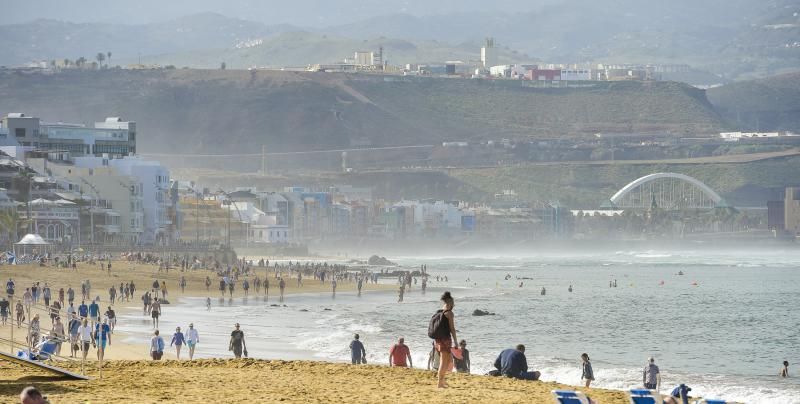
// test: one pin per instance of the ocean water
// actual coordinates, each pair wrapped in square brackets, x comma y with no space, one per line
[723,328]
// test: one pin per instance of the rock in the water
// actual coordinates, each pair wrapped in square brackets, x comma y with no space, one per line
[303,309]
[479,312]
[376,260]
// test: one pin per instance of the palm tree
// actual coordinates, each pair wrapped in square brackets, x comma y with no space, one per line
[9,220]
[100,58]
[26,178]
[108,54]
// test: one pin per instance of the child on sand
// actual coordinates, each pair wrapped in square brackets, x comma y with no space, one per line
[588,374]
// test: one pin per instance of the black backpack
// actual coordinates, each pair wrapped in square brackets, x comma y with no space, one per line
[439,327]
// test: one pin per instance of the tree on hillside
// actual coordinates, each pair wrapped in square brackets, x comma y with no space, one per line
[80,61]
[222,66]
[67,62]
[100,58]
[108,54]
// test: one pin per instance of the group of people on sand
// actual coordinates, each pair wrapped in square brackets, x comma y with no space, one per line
[81,327]
[190,338]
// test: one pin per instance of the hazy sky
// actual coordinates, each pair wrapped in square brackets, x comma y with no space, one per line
[308,13]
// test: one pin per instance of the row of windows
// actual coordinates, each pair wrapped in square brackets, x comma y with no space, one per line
[110,149]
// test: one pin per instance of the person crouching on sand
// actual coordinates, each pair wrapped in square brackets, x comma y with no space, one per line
[399,353]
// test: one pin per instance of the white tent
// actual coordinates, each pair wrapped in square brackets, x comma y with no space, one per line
[31,244]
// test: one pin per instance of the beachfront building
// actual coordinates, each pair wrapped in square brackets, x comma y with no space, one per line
[113,137]
[149,189]
[112,203]
[56,221]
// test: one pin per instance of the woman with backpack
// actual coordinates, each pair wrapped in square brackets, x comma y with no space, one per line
[441,329]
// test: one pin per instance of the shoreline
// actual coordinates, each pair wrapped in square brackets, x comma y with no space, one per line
[124,344]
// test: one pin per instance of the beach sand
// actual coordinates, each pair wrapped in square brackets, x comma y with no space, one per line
[249,380]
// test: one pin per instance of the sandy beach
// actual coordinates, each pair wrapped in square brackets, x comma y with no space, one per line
[251,380]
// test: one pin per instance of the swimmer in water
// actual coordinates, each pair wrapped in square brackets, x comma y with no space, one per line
[544,291]
[570,288]
[520,284]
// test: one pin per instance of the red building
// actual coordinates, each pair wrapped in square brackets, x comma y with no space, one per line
[543,75]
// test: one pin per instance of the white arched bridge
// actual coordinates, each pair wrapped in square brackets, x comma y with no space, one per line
[670,191]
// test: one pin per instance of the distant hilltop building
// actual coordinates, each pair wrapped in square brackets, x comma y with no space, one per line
[113,136]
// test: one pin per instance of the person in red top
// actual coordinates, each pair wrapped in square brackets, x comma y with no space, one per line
[399,353]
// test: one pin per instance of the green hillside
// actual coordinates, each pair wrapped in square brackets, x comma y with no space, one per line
[770,104]
[588,186]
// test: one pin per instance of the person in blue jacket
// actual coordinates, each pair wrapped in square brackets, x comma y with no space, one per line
[178,340]
[512,363]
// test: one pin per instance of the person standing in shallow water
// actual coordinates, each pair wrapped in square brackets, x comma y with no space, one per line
[588,373]
[785,369]
[237,344]
[358,354]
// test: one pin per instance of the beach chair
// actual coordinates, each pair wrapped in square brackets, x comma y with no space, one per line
[645,396]
[570,397]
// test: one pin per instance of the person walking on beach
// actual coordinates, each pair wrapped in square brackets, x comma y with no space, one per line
[85,335]
[360,285]
[94,312]
[33,331]
[192,338]
[155,311]
[156,346]
[102,336]
[785,369]
[20,313]
[178,340]
[5,307]
[399,353]
[651,376]
[208,304]
[237,344]
[112,318]
[281,286]
[441,328]
[58,334]
[358,354]
[333,285]
[73,326]
[588,374]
